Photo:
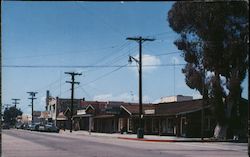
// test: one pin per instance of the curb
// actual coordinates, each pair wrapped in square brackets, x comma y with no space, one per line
[162,140]
[146,140]
[152,140]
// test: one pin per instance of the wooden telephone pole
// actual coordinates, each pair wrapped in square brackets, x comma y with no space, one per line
[140,40]
[72,95]
[32,94]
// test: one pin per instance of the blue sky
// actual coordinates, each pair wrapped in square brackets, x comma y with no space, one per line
[89,33]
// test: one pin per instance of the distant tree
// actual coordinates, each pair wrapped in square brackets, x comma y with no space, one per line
[10,115]
[214,41]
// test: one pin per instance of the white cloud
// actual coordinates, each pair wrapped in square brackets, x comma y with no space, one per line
[126,97]
[146,60]
[102,97]
[110,97]
[156,101]
[146,99]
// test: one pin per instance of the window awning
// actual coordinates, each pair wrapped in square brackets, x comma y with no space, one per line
[62,118]
[82,115]
[104,116]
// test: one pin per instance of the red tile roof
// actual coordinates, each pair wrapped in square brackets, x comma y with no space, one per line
[134,109]
[175,108]
[163,109]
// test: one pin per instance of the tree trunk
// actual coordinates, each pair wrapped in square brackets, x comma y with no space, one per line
[220,131]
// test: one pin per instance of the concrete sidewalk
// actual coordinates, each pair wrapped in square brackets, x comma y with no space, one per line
[148,138]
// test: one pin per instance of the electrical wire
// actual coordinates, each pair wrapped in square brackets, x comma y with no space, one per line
[65,53]
[85,92]
[79,66]
[106,74]
[109,55]
[57,81]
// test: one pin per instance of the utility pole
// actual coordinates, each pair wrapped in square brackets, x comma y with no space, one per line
[15,101]
[140,40]
[32,94]
[204,98]
[247,49]
[72,95]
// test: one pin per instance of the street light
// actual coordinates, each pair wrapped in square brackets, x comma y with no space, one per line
[130,60]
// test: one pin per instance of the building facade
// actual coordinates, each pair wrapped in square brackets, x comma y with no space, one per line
[178,117]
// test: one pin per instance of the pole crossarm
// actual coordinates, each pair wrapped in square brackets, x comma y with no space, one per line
[140,39]
[73,82]
[32,98]
[73,73]
[15,101]
[33,94]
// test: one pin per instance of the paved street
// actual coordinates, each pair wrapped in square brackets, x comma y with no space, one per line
[23,143]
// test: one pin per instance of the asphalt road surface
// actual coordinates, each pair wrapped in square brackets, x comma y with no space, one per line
[23,143]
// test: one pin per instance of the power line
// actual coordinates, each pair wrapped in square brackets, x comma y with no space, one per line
[65,53]
[159,34]
[106,74]
[56,81]
[118,58]
[110,54]
[51,84]
[164,54]
[126,65]
[82,66]
[85,92]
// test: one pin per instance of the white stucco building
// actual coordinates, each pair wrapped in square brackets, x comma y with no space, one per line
[176,98]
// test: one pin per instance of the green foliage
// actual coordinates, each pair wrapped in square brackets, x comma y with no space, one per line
[214,37]
[10,115]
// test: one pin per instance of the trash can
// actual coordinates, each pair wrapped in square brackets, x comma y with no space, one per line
[140,133]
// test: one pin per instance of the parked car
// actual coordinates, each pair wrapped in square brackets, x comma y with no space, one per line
[51,128]
[25,126]
[34,127]
[41,127]
[19,125]
[29,127]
